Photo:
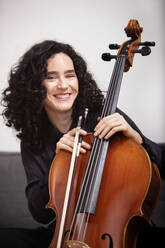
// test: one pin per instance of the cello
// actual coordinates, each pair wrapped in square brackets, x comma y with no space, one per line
[105,197]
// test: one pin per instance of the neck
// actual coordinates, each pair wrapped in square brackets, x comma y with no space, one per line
[61,121]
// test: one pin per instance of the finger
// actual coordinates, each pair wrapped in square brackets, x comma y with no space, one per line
[99,130]
[66,142]
[104,132]
[106,121]
[82,150]
[101,122]
[125,129]
[71,132]
[113,131]
[85,145]
[62,146]
[106,127]
[83,132]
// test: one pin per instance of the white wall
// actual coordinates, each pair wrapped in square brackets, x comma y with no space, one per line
[89,26]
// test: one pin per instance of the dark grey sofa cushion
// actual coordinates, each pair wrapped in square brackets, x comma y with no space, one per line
[159,213]
[13,203]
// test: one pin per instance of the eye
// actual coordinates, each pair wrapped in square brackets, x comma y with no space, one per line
[70,75]
[51,76]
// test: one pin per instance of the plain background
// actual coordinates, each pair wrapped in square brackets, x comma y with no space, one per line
[90,26]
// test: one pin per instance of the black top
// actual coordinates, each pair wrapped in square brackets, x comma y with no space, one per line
[37,165]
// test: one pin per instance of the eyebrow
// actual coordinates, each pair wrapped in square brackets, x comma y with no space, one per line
[55,72]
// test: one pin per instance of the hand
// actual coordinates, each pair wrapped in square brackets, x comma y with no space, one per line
[67,142]
[114,123]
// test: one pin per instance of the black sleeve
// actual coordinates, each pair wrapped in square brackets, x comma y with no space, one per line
[37,172]
[153,149]
[162,147]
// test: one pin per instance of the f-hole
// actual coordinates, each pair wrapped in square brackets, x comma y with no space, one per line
[104,236]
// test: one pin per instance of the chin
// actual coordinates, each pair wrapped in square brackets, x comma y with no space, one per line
[63,109]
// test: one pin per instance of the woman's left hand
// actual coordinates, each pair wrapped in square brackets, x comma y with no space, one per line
[114,123]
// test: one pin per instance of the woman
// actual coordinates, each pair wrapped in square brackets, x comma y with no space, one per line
[48,90]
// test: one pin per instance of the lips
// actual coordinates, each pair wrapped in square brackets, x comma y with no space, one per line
[62,96]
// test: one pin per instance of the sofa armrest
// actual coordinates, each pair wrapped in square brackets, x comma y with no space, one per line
[13,203]
[158,217]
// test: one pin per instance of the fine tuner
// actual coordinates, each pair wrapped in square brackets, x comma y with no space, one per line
[144,51]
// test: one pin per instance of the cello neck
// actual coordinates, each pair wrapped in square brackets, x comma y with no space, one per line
[114,87]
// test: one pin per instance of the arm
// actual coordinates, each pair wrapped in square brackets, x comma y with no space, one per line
[120,122]
[37,171]
[153,149]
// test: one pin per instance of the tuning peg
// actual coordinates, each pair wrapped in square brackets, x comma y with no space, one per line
[108,56]
[144,51]
[114,46]
[147,43]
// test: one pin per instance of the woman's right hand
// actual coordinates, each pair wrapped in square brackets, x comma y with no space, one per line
[67,142]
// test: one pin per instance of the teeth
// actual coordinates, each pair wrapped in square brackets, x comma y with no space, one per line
[62,96]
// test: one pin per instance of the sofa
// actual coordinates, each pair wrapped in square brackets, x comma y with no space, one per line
[13,204]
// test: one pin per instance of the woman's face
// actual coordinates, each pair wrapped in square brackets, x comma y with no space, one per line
[61,84]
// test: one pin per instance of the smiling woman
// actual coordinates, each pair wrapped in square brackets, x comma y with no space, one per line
[62,89]
[49,88]
[31,86]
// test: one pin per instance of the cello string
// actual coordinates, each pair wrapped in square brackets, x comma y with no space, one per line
[96,151]
[111,97]
[113,88]
[78,205]
[85,228]
[111,92]
[97,147]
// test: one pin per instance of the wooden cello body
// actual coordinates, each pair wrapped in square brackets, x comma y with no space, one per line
[127,198]
[107,207]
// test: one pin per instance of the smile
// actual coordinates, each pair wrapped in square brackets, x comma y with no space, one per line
[62,96]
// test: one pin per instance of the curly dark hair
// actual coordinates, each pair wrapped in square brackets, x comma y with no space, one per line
[23,98]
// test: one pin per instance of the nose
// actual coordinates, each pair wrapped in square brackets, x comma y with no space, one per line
[62,83]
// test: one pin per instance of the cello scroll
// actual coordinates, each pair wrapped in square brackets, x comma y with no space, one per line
[131,46]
